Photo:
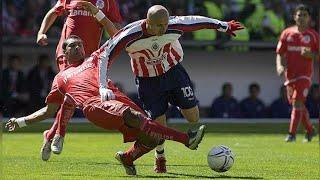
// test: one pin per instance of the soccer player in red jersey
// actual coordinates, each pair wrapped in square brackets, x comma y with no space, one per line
[77,87]
[297,48]
[84,19]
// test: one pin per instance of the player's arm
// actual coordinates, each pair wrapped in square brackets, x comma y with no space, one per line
[40,115]
[194,23]
[281,64]
[47,22]
[100,16]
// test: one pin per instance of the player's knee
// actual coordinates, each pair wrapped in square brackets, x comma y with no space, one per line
[149,141]
[131,118]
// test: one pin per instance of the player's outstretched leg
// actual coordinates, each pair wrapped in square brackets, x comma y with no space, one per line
[129,167]
[153,129]
[46,147]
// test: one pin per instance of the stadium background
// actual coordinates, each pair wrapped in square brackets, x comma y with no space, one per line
[211,58]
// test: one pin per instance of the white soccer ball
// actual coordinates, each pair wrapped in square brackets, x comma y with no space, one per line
[220,158]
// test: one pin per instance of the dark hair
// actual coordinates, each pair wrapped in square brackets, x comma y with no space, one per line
[66,41]
[254,85]
[302,7]
[225,85]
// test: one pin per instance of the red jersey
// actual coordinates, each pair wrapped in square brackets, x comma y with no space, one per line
[290,45]
[78,81]
[82,23]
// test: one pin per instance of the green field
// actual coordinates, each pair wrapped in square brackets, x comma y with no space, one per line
[90,155]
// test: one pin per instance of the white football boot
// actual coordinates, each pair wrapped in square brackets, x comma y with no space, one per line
[46,148]
[57,144]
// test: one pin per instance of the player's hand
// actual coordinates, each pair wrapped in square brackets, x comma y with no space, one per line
[234,26]
[86,5]
[306,52]
[42,39]
[11,125]
[280,70]
[106,94]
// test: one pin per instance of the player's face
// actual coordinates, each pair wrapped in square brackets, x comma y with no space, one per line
[301,18]
[158,26]
[75,51]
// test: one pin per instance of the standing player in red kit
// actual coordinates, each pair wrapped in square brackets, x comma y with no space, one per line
[84,19]
[297,48]
[77,87]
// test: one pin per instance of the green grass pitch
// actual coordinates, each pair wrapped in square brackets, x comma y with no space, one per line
[90,155]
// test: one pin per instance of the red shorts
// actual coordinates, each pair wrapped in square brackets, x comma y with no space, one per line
[109,114]
[298,90]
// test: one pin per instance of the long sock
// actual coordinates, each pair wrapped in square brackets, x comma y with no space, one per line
[158,131]
[134,152]
[296,116]
[52,130]
[66,112]
[306,121]
[159,152]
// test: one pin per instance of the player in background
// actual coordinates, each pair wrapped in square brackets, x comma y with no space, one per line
[87,21]
[156,54]
[297,48]
[77,87]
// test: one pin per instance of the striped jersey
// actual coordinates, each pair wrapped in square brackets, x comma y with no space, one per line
[153,55]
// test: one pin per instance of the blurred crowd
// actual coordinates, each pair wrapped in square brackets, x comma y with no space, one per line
[264,19]
[22,94]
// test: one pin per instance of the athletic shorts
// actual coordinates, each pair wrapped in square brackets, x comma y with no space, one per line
[174,87]
[298,90]
[109,114]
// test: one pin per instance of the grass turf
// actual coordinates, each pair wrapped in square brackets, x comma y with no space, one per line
[91,156]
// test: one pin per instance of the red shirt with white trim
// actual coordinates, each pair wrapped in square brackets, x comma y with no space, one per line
[290,44]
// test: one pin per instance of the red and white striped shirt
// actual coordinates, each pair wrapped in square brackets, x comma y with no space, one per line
[153,55]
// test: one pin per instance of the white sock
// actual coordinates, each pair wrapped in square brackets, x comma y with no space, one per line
[159,152]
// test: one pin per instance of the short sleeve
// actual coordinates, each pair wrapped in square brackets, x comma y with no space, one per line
[55,96]
[113,11]
[315,47]
[281,47]
[59,8]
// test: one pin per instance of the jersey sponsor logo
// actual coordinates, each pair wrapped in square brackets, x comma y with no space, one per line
[157,60]
[100,4]
[305,92]
[77,71]
[294,48]
[79,12]
[306,39]
[289,39]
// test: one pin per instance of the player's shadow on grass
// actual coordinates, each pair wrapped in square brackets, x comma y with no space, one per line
[213,177]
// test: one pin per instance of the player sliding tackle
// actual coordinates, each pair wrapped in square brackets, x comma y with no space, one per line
[156,54]
[77,87]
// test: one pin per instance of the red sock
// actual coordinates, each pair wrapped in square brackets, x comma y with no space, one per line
[52,131]
[136,151]
[159,131]
[296,116]
[66,112]
[306,121]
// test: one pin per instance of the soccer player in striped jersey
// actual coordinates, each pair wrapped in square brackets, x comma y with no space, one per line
[155,52]
[298,46]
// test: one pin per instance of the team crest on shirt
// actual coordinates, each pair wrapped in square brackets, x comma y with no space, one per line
[100,4]
[155,46]
[306,39]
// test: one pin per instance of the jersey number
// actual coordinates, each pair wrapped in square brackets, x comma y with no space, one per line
[187,91]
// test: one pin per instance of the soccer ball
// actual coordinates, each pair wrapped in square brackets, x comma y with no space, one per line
[220,158]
